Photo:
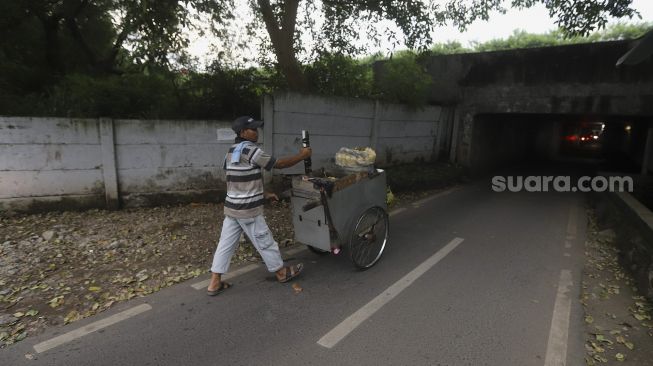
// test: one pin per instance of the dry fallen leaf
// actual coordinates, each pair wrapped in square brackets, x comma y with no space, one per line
[32,312]
[600,358]
[56,301]
[641,317]
[297,288]
[71,317]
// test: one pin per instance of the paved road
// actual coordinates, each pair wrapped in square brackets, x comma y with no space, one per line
[495,281]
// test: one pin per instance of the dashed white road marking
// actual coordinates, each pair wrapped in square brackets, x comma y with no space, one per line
[95,326]
[556,348]
[334,336]
[205,283]
[572,225]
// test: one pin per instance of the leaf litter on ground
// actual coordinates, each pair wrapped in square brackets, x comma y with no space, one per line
[607,286]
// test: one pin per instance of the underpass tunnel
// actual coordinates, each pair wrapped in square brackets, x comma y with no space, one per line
[616,144]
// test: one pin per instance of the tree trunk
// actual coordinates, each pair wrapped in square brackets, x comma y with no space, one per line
[282,38]
[290,66]
[52,47]
[50,26]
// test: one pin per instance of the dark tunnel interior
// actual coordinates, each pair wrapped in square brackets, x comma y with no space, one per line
[605,142]
[569,145]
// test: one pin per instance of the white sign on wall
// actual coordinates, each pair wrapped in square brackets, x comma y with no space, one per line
[226,135]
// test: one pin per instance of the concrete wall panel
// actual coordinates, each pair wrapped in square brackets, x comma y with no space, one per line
[17,184]
[135,132]
[151,162]
[402,129]
[398,112]
[49,157]
[324,149]
[29,130]
[151,180]
[399,133]
[171,156]
[289,123]
[404,149]
[348,107]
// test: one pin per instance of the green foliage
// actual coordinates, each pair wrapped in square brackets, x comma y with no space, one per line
[389,197]
[404,80]
[574,18]
[113,57]
[223,94]
[523,39]
[415,20]
[73,36]
[134,96]
[337,74]
[448,48]
[622,31]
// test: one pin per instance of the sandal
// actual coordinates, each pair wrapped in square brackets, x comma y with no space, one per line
[292,272]
[223,286]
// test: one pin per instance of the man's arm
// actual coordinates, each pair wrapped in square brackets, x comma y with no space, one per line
[289,161]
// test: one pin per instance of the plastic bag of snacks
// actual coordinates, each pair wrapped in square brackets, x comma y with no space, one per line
[358,157]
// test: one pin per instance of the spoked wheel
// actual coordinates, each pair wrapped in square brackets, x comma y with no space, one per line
[369,237]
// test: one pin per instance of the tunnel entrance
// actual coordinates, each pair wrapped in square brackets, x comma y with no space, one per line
[608,143]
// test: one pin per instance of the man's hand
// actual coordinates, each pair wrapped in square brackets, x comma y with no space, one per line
[270,196]
[305,153]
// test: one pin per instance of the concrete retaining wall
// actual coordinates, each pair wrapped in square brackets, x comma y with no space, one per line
[633,225]
[397,133]
[61,163]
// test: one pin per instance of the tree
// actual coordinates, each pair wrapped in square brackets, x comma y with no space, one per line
[415,19]
[96,33]
[339,27]
[53,51]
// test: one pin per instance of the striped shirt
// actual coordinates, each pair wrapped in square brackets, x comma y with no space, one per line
[245,182]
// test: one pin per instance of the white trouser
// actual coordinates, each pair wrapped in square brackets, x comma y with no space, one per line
[260,235]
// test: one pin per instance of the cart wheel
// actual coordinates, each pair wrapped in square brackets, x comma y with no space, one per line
[369,237]
[317,251]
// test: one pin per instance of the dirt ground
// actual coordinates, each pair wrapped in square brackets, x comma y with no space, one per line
[619,329]
[59,267]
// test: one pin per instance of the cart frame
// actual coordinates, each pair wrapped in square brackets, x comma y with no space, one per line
[354,199]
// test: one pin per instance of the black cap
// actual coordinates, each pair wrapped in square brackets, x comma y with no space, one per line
[244,122]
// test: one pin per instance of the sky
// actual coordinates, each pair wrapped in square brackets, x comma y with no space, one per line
[532,20]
